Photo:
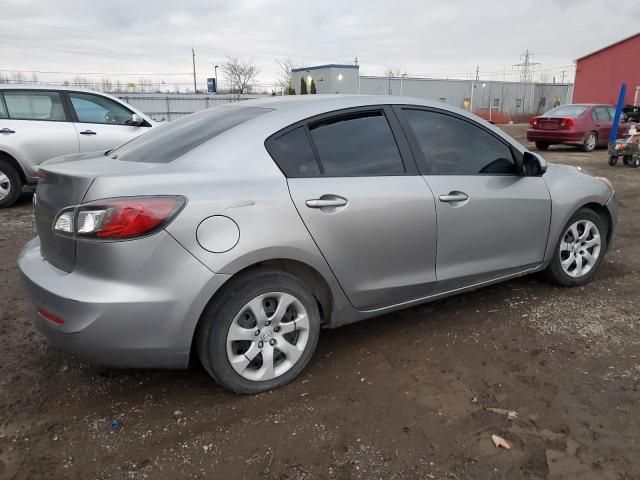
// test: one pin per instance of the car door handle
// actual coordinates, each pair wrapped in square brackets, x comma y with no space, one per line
[452,197]
[326,201]
[88,132]
[7,130]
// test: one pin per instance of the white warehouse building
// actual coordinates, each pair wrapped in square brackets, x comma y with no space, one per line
[482,96]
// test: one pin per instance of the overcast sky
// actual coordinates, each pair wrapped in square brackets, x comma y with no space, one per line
[422,37]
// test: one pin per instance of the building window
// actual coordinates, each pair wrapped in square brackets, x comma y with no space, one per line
[543,101]
[496,102]
[518,102]
[443,99]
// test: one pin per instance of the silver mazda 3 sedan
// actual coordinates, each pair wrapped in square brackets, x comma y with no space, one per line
[238,232]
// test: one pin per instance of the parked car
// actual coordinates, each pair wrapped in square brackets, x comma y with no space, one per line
[237,232]
[583,125]
[42,122]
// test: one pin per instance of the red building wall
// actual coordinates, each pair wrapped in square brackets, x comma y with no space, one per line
[599,76]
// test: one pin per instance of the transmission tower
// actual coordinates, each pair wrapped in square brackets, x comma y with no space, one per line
[526,67]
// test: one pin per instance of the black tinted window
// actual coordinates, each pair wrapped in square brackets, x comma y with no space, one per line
[3,111]
[359,144]
[294,155]
[452,146]
[168,142]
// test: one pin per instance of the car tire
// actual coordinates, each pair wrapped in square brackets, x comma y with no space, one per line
[627,159]
[635,163]
[10,184]
[590,142]
[613,160]
[542,146]
[234,364]
[567,248]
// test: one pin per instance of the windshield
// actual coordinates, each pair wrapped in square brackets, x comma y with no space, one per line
[168,142]
[567,111]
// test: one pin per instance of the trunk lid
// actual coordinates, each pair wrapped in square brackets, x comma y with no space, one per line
[549,123]
[64,182]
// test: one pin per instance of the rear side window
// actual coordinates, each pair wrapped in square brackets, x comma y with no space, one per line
[168,142]
[601,114]
[293,154]
[452,146]
[25,105]
[360,144]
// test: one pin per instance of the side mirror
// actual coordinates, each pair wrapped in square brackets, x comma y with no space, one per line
[533,165]
[136,120]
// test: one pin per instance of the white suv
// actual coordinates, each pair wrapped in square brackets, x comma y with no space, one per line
[42,122]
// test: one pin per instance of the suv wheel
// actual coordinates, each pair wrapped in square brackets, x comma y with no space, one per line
[579,250]
[590,142]
[10,184]
[542,146]
[260,333]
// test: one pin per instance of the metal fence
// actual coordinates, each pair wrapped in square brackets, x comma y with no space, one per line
[167,107]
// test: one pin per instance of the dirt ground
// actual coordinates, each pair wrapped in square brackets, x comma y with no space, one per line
[402,396]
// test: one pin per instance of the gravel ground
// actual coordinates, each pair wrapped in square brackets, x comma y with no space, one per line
[402,396]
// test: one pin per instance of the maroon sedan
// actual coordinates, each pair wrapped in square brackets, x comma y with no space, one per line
[584,125]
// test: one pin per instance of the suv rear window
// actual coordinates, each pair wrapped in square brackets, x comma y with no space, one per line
[168,142]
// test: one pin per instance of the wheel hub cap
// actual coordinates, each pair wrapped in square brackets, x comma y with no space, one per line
[267,336]
[580,248]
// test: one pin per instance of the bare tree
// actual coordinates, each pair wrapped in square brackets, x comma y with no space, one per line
[18,77]
[285,80]
[106,85]
[240,74]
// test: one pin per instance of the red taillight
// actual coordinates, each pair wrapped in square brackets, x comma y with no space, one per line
[50,316]
[118,218]
[533,123]
[567,123]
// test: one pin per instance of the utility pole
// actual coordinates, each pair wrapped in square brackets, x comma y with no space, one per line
[563,72]
[477,72]
[193,56]
[355,61]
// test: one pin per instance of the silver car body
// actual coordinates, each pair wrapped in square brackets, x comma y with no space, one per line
[32,141]
[394,245]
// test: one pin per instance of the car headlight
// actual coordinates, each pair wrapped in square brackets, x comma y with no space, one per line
[606,180]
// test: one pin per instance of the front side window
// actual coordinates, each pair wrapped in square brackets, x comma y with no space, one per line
[612,112]
[452,146]
[32,105]
[294,155]
[3,111]
[359,144]
[95,109]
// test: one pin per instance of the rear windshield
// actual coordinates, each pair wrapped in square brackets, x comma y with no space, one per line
[567,111]
[168,142]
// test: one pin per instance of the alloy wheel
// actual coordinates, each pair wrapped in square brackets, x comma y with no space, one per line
[5,185]
[580,248]
[591,142]
[267,336]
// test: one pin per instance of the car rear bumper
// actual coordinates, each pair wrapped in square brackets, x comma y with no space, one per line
[555,136]
[123,323]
